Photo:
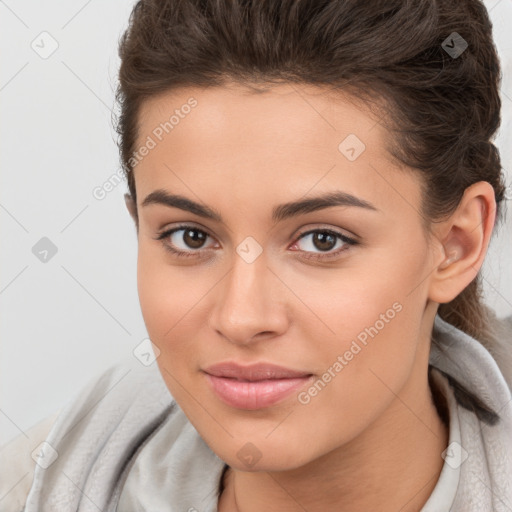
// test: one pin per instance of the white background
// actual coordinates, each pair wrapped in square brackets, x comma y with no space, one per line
[65,320]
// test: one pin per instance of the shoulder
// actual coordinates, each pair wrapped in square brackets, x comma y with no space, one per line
[89,418]
[17,464]
[501,348]
[109,395]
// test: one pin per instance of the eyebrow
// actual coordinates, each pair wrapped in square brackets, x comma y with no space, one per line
[279,213]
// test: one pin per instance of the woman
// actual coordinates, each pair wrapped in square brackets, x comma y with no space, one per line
[314,188]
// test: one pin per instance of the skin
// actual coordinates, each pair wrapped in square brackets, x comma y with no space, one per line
[372,438]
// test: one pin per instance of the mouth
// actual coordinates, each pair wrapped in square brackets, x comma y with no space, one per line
[256,386]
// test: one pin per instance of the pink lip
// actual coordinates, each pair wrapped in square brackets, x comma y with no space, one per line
[255,386]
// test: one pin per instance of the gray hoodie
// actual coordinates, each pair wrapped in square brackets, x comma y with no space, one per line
[124,444]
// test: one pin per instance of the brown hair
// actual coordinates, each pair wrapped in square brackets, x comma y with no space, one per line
[442,109]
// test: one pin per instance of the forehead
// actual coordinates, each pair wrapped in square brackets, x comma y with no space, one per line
[288,135]
[295,115]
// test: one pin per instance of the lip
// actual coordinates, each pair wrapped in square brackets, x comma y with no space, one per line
[256,386]
[253,372]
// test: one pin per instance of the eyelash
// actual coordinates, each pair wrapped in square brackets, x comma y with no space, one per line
[316,256]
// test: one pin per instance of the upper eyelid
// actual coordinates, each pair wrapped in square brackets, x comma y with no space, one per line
[336,231]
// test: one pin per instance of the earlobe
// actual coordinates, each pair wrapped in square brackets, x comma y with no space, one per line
[464,238]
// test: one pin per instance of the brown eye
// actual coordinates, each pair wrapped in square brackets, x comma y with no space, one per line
[323,244]
[194,238]
[185,241]
[323,240]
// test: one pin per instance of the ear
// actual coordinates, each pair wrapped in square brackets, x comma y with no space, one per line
[463,240]
[132,209]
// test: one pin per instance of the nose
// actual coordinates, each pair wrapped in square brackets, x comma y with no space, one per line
[250,303]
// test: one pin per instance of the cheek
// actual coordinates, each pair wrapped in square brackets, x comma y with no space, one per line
[359,369]
[156,296]
[374,296]
[170,300]
[361,329]
[365,328]
[169,297]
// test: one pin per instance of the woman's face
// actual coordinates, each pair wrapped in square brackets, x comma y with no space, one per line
[338,293]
